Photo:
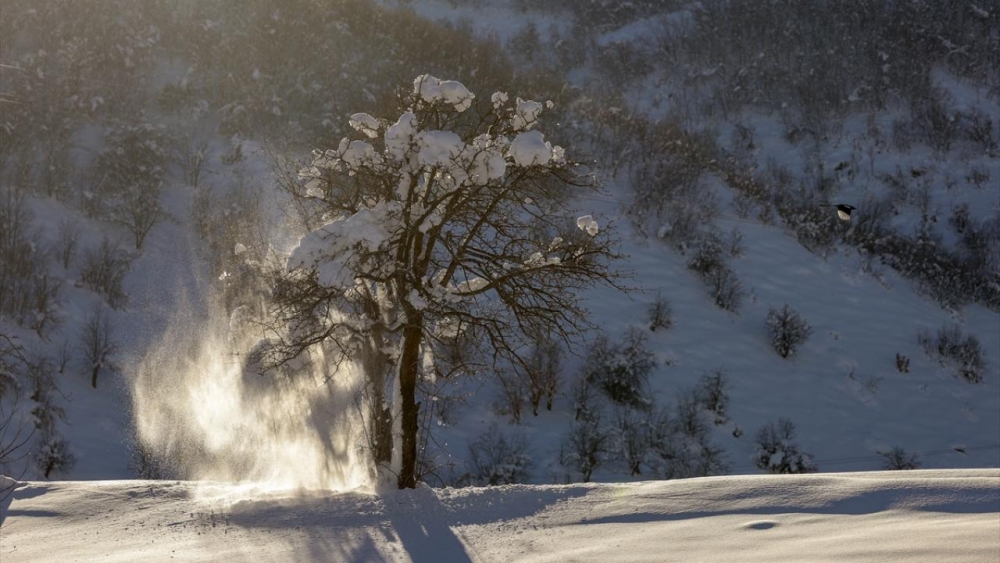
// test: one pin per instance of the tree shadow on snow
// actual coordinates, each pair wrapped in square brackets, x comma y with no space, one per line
[416,525]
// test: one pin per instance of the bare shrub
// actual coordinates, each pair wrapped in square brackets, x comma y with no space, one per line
[634,431]
[587,446]
[933,115]
[777,451]
[97,344]
[68,241]
[951,346]
[787,329]
[146,464]
[499,459]
[138,210]
[897,459]
[723,284]
[15,432]
[28,294]
[541,372]
[713,394]
[51,454]
[683,444]
[980,130]
[192,152]
[127,177]
[512,396]
[104,270]
[660,314]
[667,164]
[902,363]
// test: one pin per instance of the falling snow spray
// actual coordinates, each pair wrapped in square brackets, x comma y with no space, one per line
[199,411]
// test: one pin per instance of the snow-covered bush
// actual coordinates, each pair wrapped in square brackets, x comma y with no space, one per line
[897,458]
[621,370]
[500,459]
[777,451]
[951,346]
[104,269]
[660,314]
[787,330]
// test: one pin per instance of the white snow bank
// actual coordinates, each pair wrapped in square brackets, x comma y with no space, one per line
[890,517]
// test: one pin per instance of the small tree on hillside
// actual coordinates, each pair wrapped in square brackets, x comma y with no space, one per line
[787,330]
[443,225]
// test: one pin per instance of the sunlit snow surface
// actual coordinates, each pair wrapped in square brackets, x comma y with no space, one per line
[932,516]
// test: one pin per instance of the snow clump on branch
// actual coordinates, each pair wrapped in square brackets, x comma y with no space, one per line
[587,223]
[432,90]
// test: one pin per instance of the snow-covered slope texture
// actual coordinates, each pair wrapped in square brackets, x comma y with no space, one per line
[922,516]
[742,136]
[719,168]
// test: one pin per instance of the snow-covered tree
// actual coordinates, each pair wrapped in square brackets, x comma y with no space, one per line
[445,225]
[777,452]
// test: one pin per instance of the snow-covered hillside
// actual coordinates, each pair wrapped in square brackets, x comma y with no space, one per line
[717,166]
[920,516]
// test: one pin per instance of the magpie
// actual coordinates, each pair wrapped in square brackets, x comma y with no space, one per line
[843,210]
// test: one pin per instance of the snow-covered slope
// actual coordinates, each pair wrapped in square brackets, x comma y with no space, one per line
[932,516]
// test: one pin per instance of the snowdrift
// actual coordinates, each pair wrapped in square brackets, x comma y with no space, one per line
[933,516]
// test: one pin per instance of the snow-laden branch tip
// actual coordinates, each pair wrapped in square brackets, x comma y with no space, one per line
[365,124]
[431,89]
[587,223]
[327,249]
[530,149]
[525,115]
[438,148]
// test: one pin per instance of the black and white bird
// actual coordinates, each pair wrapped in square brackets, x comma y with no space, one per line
[843,210]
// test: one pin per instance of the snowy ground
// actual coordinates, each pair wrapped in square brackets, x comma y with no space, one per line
[933,516]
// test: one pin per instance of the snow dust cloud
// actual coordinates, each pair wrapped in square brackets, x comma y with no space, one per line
[202,417]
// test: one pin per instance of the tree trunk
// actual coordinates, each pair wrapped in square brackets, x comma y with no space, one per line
[373,362]
[408,372]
